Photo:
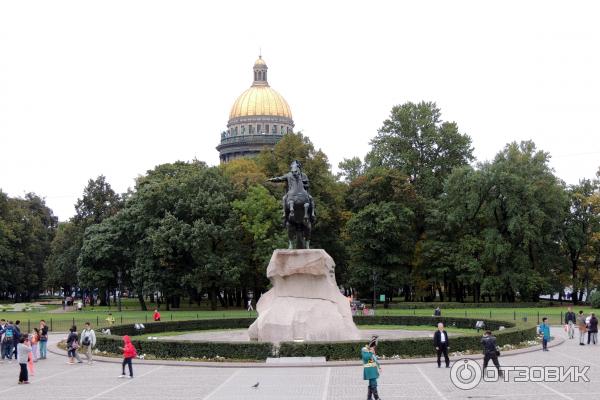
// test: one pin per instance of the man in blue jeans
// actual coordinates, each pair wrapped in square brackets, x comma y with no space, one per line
[7,336]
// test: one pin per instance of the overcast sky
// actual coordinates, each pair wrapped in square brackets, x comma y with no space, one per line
[117,87]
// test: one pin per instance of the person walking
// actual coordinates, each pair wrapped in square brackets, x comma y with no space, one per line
[88,341]
[371,368]
[490,351]
[34,339]
[250,308]
[16,337]
[6,339]
[437,312]
[43,340]
[570,322]
[3,325]
[545,331]
[582,327]
[441,344]
[73,345]
[129,354]
[593,329]
[22,358]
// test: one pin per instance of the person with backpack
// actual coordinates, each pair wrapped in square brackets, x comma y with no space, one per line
[7,334]
[43,340]
[6,337]
[129,353]
[88,341]
[73,345]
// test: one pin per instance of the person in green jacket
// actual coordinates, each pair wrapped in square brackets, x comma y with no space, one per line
[371,368]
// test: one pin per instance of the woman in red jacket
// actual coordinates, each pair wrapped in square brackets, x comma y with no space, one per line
[129,353]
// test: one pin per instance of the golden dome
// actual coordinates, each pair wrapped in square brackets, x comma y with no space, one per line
[260,61]
[260,101]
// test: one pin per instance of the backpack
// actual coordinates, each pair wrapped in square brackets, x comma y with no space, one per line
[8,335]
[86,338]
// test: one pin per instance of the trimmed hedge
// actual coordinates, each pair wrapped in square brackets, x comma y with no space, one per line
[456,322]
[331,350]
[186,349]
[184,326]
[456,305]
[405,347]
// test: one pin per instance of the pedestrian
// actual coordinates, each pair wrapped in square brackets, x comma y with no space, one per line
[23,356]
[371,368]
[156,315]
[490,351]
[593,329]
[441,344]
[250,308]
[88,341]
[73,345]
[16,336]
[582,327]
[545,331]
[570,321]
[43,340]
[129,354]
[110,319]
[437,312]
[34,339]
[7,332]
[3,325]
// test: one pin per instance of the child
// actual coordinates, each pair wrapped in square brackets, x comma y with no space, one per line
[34,338]
[545,331]
[371,368]
[129,353]
[23,351]
[156,315]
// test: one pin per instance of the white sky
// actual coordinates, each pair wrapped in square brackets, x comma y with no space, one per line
[117,87]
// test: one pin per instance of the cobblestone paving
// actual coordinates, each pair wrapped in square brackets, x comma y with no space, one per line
[54,379]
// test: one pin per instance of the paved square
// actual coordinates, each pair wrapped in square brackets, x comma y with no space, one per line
[54,379]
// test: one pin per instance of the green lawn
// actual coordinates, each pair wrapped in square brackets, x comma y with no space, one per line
[97,315]
[462,331]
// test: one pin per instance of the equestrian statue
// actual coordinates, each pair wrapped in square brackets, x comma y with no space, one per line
[298,206]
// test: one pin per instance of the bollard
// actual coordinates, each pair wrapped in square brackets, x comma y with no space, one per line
[490,313]
[97,321]
[51,324]
[561,317]
[514,315]
[538,316]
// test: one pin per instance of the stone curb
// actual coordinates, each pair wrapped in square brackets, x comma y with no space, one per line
[53,348]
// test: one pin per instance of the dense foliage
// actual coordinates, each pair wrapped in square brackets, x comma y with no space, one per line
[416,219]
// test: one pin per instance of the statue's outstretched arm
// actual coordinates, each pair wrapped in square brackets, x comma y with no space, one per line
[278,179]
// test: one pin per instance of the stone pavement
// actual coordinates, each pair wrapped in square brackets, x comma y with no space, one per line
[54,379]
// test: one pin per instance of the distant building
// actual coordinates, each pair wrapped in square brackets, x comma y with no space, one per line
[258,119]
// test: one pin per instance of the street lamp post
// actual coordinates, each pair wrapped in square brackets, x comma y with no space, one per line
[374,295]
[119,282]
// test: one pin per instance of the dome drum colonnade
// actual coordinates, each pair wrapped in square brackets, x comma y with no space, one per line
[258,119]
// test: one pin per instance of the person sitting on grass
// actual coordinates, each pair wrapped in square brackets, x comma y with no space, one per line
[110,319]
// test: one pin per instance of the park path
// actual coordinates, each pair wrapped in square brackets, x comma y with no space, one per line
[55,379]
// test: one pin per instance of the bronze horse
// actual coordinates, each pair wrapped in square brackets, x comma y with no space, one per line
[298,207]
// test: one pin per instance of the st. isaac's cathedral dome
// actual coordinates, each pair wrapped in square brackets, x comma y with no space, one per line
[258,119]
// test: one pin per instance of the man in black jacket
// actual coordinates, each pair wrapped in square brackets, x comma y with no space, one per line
[441,344]
[570,321]
[490,350]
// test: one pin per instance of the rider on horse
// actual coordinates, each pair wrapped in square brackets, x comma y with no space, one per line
[294,193]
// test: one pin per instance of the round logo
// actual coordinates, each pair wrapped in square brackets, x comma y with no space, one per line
[465,374]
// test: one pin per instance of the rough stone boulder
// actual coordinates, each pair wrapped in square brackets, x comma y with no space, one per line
[304,303]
